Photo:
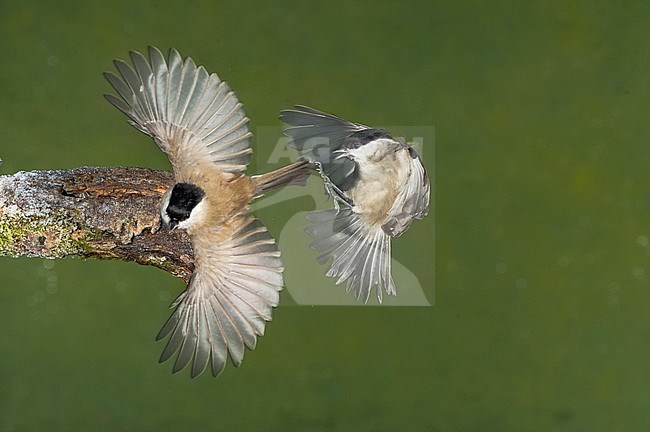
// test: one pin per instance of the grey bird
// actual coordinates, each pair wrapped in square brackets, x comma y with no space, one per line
[379,185]
[198,122]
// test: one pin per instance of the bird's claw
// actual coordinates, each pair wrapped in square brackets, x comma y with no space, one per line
[331,190]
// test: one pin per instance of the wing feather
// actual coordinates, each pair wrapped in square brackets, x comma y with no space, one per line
[218,345]
[204,346]
[359,253]
[228,301]
[413,200]
[198,101]
[189,343]
[232,336]
[317,136]
[193,116]
[145,76]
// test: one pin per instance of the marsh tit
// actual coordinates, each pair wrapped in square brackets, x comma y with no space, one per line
[378,185]
[198,122]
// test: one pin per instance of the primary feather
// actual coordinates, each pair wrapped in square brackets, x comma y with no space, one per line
[318,136]
[359,254]
[193,116]
[231,295]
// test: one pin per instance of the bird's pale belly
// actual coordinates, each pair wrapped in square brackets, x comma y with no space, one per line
[373,199]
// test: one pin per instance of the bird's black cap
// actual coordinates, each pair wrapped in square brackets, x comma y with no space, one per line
[363,137]
[184,197]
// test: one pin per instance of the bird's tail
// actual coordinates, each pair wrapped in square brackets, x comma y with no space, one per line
[296,173]
[360,253]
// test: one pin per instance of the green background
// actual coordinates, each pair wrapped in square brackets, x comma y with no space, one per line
[542,218]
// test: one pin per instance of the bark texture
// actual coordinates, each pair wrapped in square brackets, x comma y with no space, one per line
[102,213]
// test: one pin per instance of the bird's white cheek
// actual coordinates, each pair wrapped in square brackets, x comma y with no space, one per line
[197,216]
[164,217]
[186,224]
[164,202]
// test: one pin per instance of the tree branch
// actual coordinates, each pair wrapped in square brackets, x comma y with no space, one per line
[102,213]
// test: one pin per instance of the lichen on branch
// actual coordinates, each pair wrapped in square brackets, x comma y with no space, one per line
[103,213]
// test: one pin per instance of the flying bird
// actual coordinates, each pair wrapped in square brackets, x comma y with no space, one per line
[378,184]
[196,119]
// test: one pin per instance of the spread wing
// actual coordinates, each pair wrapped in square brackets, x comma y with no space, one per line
[231,295]
[317,136]
[359,254]
[193,116]
[412,201]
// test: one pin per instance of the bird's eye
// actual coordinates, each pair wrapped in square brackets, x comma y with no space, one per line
[355,144]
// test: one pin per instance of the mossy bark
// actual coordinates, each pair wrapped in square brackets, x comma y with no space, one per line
[103,213]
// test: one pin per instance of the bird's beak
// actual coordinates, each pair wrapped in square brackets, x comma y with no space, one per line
[173,225]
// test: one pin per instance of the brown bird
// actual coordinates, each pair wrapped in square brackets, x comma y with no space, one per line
[198,122]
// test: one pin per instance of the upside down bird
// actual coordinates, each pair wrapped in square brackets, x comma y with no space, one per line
[198,122]
[378,184]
